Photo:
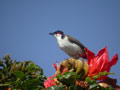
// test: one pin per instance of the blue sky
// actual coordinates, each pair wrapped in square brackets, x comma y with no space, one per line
[25,26]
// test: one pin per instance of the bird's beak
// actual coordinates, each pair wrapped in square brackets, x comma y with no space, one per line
[51,33]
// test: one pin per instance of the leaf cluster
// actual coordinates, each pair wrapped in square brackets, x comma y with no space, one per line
[72,81]
[21,75]
[69,79]
[94,85]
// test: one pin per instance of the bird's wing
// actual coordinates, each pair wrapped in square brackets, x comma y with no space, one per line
[73,40]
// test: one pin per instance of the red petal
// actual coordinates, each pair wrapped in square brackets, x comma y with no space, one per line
[114,60]
[50,82]
[102,59]
[9,88]
[92,67]
[103,52]
[55,66]
[90,55]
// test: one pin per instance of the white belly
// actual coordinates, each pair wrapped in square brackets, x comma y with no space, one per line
[70,48]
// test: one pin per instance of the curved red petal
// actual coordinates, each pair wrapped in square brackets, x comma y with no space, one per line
[90,55]
[102,59]
[114,60]
[55,66]
[103,52]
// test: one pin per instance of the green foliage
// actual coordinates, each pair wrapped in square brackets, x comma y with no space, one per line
[21,75]
[29,76]
[93,84]
[68,78]
[58,87]
[68,81]
[102,74]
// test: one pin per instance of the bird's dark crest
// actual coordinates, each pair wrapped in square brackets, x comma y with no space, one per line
[61,32]
[58,31]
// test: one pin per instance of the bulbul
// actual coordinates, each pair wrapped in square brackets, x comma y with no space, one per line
[69,45]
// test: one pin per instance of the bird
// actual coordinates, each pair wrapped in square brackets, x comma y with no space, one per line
[69,45]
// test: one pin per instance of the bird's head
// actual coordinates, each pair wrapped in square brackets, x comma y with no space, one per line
[57,34]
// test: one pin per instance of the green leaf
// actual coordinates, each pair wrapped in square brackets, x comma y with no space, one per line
[16,83]
[67,75]
[19,74]
[102,88]
[106,73]
[102,74]
[111,88]
[68,78]
[95,77]
[59,87]
[88,79]
[30,67]
[70,74]
[37,89]
[93,86]
[31,83]
[4,85]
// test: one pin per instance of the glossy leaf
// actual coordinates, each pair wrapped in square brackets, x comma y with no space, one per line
[94,86]
[19,74]
[59,87]
[88,79]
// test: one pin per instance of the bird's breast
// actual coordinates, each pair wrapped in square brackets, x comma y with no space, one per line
[68,47]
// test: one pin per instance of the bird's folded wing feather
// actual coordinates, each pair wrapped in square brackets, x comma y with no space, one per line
[73,40]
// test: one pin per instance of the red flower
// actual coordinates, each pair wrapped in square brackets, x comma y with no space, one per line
[9,88]
[100,62]
[55,66]
[50,82]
